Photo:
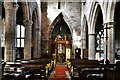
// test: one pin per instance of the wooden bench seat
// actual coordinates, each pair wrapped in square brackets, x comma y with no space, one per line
[29,68]
[88,69]
[85,74]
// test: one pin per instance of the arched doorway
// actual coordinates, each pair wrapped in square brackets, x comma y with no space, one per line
[61,41]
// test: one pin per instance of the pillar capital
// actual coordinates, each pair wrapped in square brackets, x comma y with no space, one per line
[10,5]
[109,25]
[92,34]
[15,5]
[37,29]
[27,22]
[7,5]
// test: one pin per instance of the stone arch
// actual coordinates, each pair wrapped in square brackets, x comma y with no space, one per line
[35,32]
[84,38]
[34,36]
[25,10]
[67,20]
[92,20]
[96,9]
[110,11]
[84,33]
[84,22]
[68,23]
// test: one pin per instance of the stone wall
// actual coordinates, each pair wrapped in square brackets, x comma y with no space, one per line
[71,13]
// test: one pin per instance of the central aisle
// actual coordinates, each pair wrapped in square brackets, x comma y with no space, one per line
[60,72]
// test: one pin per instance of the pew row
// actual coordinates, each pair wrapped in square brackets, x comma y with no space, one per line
[92,70]
[28,69]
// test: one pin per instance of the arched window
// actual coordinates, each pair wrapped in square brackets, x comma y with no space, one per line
[100,44]
[19,40]
[100,39]
[20,35]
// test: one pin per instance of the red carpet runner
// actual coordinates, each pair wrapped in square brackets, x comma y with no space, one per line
[59,73]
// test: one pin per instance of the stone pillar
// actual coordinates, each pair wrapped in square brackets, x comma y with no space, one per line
[82,31]
[83,43]
[39,32]
[34,39]
[81,48]
[10,24]
[73,48]
[111,43]
[36,44]
[39,41]
[1,70]
[105,42]
[28,39]
[84,40]
[91,52]
[109,40]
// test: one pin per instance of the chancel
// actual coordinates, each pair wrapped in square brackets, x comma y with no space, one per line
[59,40]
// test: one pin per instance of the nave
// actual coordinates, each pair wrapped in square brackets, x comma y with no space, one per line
[36,36]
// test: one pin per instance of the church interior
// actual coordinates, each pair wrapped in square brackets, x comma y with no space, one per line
[59,40]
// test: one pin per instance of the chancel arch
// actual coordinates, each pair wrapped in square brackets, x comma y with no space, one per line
[61,39]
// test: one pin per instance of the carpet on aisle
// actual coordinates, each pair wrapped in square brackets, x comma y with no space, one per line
[60,72]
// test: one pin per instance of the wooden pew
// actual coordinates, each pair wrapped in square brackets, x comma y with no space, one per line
[84,61]
[14,73]
[39,69]
[80,66]
[117,71]
[86,69]
[91,73]
[33,69]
